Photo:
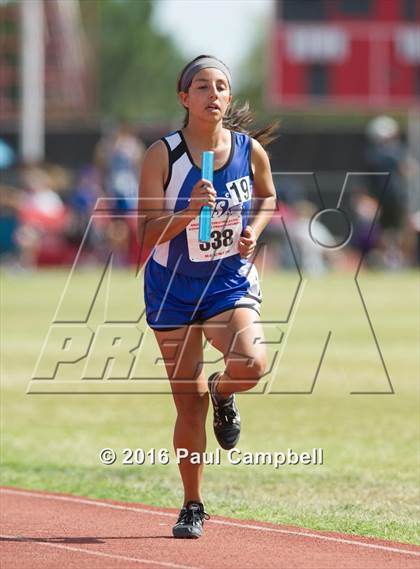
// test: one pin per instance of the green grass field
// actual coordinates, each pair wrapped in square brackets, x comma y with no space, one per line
[369,482]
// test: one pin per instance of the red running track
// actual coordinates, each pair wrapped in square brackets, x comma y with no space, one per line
[44,530]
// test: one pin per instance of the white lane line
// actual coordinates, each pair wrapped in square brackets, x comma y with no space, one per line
[98,553]
[220,522]
[328,538]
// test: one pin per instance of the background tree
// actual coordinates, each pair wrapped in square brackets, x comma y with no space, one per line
[138,64]
[253,76]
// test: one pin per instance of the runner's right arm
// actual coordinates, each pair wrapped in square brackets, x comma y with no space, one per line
[155,224]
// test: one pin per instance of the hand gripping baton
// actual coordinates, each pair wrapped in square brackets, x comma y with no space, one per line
[207,163]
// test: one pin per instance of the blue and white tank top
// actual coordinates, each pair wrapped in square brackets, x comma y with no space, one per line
[233,183]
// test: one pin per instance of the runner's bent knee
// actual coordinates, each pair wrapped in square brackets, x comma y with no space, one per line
[251,368]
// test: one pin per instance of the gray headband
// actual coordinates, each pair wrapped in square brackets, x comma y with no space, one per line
[203,63]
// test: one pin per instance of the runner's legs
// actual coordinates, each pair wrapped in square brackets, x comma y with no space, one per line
[182,351]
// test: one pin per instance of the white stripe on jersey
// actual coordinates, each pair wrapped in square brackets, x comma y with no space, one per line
[173,140]
[161,253]
[180,170]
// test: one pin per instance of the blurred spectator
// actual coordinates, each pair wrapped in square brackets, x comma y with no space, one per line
[43,219]
[9,225]
[81,201]
[7,156]
[366,235]
[278,248]
[312,257]
[9,209]
[386,152]
[289,190]
[415,225]
[290,239]
[118,157]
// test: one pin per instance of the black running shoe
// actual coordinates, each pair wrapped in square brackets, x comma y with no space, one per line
[190,521]
[226,419]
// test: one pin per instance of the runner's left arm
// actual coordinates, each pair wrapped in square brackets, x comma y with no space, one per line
[263,203]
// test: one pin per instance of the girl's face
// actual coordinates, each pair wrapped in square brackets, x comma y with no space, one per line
[208,96]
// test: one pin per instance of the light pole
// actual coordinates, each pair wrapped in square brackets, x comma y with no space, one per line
[32,102]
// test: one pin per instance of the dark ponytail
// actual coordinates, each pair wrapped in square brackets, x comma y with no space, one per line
[238,118]
[242,119]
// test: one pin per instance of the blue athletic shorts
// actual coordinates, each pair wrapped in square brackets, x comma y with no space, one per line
[174,300]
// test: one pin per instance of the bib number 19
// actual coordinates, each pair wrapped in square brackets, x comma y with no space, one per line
[239,190]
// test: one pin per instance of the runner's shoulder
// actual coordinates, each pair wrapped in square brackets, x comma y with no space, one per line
[156,159]
[257,147]
[156,152]
[259,156]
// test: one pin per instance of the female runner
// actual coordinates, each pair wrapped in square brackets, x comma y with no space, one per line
[194,288]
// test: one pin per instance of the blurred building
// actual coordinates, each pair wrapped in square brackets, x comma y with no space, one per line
[70,72]
[345,53]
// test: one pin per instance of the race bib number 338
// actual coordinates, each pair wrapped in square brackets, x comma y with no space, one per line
[226,224]
[224,237]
